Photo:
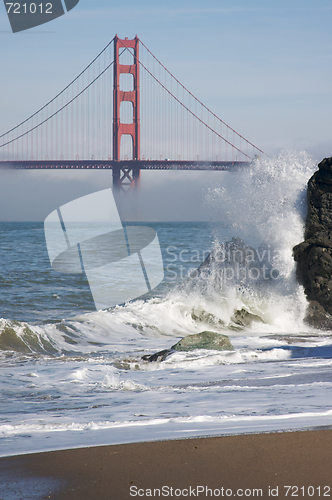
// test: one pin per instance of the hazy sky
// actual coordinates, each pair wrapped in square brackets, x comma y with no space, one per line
[263,66]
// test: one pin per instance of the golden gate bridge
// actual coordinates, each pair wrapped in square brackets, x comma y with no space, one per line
[150,121]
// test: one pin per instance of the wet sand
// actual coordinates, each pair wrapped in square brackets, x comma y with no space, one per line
[255,465]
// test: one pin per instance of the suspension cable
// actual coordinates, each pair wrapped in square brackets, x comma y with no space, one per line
[59,94]
[200,102]
[191,112]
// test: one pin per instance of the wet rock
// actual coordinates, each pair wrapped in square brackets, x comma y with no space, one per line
[158,356]
[314,254]
[317,317]
[204,340]
[245,318]
[233,263]
[205,317]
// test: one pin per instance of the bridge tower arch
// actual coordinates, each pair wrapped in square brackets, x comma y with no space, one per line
[126,175]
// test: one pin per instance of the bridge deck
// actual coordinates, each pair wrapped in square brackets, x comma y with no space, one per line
[132,164]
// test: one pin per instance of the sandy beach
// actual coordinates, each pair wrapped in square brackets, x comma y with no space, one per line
[280,465]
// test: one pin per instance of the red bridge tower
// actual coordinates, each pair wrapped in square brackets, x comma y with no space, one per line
[126,175]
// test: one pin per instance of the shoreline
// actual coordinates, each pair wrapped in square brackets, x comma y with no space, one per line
[252,463]
[163,439]
[24,440]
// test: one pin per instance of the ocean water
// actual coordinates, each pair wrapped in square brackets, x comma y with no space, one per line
[72,376]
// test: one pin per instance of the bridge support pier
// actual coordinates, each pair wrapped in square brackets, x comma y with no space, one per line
[126,178]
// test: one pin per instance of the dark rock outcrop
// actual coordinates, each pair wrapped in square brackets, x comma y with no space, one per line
[314,254]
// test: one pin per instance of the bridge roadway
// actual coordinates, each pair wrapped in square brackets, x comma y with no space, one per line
[125,164]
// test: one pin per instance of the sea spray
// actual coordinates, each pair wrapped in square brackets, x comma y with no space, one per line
[254,200]
[264,206]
